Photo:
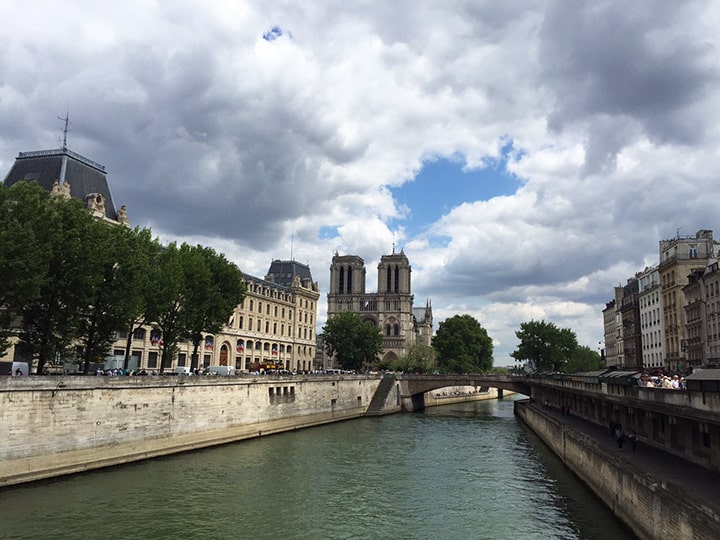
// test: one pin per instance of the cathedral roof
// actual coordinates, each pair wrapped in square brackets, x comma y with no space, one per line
[45,167]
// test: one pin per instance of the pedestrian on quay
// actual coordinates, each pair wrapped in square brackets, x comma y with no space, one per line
[633,440]
[619,436]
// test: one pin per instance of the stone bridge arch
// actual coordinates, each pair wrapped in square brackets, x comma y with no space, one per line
[413,387]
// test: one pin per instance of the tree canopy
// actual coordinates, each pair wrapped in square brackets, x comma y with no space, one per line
[214,288]
[72,281]
[353,342]
[463,346]
[584,359]
[419,359]
[544,346]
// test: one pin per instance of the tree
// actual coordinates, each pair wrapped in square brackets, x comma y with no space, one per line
[166,298]
[584,359]
[419,359]
[463,346]
[135,274]
[214,289]
[121,257]
[545,346]
[23,250]
[51,319]
[353,342]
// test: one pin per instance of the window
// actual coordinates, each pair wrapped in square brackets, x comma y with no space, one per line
[152,360]
[139,334]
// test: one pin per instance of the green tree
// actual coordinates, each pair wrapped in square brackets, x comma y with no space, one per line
[544,346]
[135,273]
[166,298]
[51,320]
[419,359]
[584,359]
[23,250]
[353,342]
[463,346]
[214,289]
[120,255]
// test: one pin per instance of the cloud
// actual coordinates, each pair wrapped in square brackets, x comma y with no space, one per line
[270,131]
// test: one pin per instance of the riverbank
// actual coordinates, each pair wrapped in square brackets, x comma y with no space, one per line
[56,426]
[658,495]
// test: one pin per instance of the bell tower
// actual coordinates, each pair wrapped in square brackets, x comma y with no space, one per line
[394,274]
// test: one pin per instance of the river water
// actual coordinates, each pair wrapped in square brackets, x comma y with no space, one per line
[467,471]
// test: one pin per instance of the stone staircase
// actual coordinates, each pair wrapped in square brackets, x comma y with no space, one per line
[377,404]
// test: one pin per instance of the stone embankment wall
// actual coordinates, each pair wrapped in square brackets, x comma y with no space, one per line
[653,509]
[53,426]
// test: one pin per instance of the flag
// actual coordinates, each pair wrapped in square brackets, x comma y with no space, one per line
[156,338]
[274,349]
[209,343]
[240,346]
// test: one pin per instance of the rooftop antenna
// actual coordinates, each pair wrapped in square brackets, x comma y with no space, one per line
[66,127]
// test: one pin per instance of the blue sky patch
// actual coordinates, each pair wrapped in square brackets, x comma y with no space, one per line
[442,185]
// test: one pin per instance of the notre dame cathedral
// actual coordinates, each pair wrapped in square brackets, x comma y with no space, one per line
[390,308]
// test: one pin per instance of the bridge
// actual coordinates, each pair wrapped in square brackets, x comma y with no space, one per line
[413,387]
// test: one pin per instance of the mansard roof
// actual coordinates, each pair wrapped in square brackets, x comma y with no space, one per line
[46,167]
[282,272]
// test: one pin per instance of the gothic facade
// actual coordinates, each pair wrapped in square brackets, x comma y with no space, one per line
[390,308]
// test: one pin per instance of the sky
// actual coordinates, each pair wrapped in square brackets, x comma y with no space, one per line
[526,156]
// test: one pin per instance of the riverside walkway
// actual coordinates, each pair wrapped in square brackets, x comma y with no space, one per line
[698,482]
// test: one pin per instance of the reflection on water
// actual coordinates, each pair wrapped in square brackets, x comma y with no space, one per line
[458,471]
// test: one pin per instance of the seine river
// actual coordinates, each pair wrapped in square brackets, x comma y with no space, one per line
[469,471]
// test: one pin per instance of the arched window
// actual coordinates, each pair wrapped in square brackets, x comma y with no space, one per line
[349,280]
[389,279]
[397,279]
[396,328]
[342,279]
[387,330]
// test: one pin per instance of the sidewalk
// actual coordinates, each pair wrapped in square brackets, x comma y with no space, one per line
[697,481]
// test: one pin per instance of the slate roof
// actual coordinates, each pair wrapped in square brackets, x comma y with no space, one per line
[282,272]
[46,166]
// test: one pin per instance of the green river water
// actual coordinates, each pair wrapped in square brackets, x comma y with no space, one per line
[468,471]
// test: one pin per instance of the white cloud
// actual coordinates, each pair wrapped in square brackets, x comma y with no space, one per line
[212,134]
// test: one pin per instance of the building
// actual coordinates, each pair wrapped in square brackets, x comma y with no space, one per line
[390,308]
[611,329]
[665,315]
[630,316]
[273,328]
[65,173]
[702,295]
[651,328]
[679,256]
